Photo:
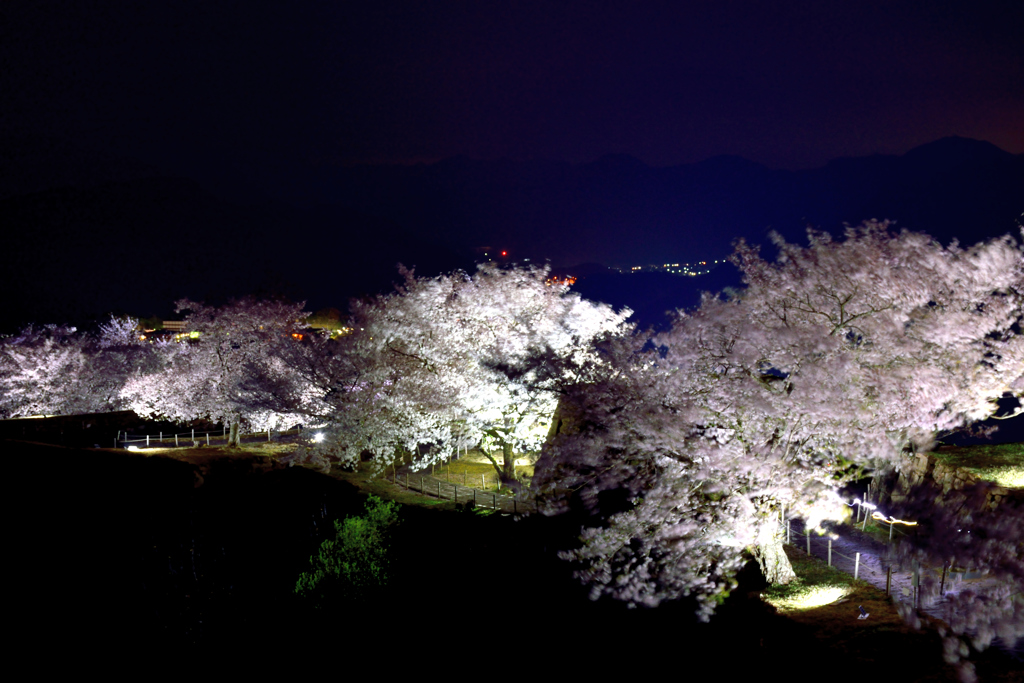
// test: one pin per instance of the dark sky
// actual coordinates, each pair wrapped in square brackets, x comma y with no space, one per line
[253,89]
[215,147]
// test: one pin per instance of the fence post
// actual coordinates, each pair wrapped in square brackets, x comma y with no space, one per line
[830,552]
[161,437]
[268,434]
[788,531]
[175,440]
[483,484]
[856,566]
[494,501]
[474,497]
[147,440]
[439,488]
[807,533]
[888,579]
[864,526]
[193,433]
[208,438]
[515,510]
[890,533]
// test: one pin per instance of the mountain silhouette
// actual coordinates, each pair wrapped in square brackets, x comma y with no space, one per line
[91,233]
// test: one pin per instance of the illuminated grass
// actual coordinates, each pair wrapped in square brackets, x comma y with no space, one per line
[1010,477]
[816,585]
[1002,464]
[829,599]
[807,597]
[245,451]
[467,471]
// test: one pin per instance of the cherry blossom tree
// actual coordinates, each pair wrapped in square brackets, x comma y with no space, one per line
[492,350]
[113,354]
[452,361]
[228,372]
[40,372]
[56,370]
[839,356]
[342,387]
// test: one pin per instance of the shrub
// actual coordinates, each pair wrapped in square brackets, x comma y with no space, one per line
[351,567]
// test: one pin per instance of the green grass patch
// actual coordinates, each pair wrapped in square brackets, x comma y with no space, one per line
[468,471]
[828,600]
[822,590]
[1002,464]
[265,453]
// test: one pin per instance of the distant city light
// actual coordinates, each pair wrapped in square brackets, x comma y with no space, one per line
[691,269]
[555,280]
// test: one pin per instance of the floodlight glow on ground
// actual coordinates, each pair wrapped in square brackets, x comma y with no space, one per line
[808,598]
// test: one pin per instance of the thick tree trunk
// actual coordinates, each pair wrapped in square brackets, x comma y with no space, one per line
[234,434]
[771,557]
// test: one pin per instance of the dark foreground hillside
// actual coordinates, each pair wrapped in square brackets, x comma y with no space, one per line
[145,555]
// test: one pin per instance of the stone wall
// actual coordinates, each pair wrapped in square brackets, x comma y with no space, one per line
[923,468]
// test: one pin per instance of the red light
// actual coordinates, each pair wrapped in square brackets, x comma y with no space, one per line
[504,253]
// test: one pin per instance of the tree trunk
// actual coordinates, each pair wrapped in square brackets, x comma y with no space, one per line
[234,440]
[506,469]
[509,463]
[771,557]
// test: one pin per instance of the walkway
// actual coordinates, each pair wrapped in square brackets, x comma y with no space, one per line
[874,567]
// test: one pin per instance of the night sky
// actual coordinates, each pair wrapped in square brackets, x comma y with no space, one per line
[260,102]
[788,84]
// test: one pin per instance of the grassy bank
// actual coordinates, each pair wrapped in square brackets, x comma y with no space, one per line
[1002,464]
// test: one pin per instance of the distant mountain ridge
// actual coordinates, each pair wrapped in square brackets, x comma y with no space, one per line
[619,210]
[133,240]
